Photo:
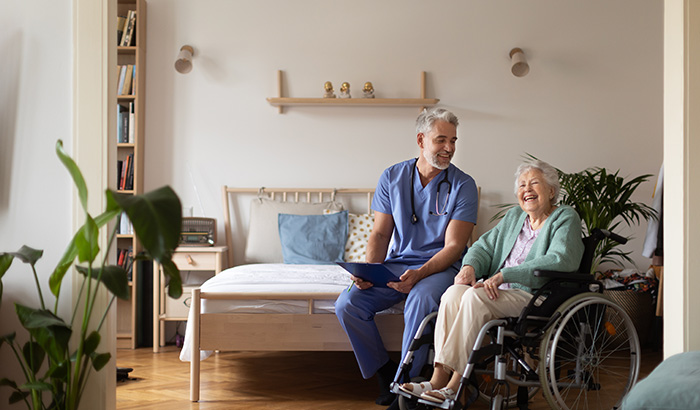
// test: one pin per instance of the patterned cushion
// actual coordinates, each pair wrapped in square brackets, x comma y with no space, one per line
[359,228]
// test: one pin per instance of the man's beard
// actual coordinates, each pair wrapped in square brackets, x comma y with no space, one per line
[433,161]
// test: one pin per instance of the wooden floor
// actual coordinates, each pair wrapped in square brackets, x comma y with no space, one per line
[271,380]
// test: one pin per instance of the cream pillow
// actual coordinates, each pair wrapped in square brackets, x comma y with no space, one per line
[263,244]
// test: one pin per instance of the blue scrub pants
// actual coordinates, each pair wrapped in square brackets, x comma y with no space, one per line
[356,310]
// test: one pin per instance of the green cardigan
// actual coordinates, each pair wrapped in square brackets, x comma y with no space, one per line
[558,247]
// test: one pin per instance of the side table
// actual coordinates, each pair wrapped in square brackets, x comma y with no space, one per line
[186,258]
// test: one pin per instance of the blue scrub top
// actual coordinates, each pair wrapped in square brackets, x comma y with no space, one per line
[417,243]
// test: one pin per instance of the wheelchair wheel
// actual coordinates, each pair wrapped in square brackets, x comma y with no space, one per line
[590,358]
[488,387]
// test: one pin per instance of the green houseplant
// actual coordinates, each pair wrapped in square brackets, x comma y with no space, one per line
[603,200]
[60,354]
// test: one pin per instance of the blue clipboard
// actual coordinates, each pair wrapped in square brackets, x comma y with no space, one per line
[376,273]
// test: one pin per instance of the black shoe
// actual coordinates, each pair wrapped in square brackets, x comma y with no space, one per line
[385,376]
[394,404]
[387,398]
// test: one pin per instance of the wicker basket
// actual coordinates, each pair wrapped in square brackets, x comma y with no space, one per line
[639,307]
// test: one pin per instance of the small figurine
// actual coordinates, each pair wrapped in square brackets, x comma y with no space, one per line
[328,87]
[345,90]
[368,90]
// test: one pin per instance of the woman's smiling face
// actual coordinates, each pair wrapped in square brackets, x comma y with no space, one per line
[534,195]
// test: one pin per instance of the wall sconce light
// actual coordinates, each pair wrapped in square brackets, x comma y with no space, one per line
[519,66]
[183,64]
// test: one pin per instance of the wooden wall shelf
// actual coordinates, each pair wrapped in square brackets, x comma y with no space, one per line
[281,101]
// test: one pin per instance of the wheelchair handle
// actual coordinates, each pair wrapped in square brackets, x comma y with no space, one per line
[601,234]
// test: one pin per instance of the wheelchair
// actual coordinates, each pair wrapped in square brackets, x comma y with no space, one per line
[571,342]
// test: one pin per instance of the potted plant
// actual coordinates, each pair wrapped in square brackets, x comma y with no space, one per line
[603,200]
[60,354]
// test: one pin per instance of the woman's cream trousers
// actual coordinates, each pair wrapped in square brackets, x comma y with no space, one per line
[464,310]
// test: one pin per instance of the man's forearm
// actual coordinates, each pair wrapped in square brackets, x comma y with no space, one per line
[442,260]
[377,247]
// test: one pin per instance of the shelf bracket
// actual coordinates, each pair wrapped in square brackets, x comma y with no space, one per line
[280,109]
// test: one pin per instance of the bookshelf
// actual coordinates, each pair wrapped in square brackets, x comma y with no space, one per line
[129,141]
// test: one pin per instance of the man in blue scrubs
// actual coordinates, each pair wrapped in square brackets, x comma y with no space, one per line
[424,211]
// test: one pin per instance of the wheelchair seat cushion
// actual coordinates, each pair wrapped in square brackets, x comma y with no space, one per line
[673,385]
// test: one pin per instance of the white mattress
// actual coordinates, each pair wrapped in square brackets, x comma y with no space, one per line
[273,278]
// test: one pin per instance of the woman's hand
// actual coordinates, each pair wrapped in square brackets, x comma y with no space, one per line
[466,276]
[491,285]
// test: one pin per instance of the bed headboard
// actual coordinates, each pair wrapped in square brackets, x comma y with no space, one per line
[236,207]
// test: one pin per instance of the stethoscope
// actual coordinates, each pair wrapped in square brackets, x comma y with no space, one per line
[414,217]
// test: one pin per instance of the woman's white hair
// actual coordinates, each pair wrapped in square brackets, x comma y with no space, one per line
[551,176]
[427,117]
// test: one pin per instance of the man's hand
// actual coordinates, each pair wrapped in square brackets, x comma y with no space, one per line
[409,279]
[466,276]
[360,283]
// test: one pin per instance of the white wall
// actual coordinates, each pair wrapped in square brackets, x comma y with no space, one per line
[35,189]
[593,96]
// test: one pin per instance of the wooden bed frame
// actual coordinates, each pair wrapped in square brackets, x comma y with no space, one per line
[277,332]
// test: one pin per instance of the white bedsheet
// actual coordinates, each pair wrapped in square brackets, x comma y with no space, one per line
[272,278]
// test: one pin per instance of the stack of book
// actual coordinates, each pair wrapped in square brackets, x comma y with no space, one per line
[125,123]
[125,174]
[125,259]
[126,27]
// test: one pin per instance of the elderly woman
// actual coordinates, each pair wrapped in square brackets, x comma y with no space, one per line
[536,235]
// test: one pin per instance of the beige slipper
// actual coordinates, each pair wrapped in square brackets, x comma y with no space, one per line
[416,389]
[440,395]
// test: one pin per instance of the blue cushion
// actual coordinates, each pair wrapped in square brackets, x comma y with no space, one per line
[313,239]
[673,385]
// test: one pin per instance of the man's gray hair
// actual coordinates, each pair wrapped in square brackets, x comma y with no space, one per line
[427,117]
[551,176]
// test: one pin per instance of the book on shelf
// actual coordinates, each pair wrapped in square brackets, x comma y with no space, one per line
[120,166]
[129,29]
[125,259]
[120,28]
[122,77]
[123,117]
[124,173]
[128,79]
[125,227]
[129,183]
[132,123]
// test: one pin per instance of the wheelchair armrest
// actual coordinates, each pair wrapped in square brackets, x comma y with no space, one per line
[573,277]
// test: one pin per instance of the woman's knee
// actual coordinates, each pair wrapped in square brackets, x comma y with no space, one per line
[453,294]
[474,298]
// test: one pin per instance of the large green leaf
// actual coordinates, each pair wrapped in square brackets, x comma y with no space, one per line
[171,271]
[113,277]
[71,251]
[34,355]
[5,262]
[156,217]
[49,330]
[87,241]
[8,383]
[36,385]
[28,255]
[91,343]
[75,173]
[18,396]
[100,360]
